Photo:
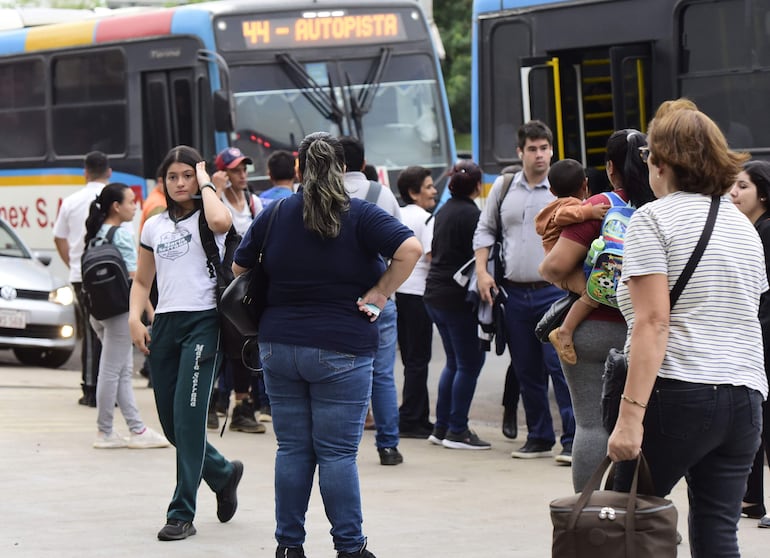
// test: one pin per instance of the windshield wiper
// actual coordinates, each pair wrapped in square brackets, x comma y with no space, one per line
[362,104]
[325,103]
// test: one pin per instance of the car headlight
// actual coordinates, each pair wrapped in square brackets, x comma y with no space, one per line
[63,295]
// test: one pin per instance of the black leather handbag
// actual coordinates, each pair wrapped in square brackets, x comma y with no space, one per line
[554,316]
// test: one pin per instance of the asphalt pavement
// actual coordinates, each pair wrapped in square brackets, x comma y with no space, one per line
[62,498]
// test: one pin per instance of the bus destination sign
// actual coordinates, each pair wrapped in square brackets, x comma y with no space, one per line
[302,31]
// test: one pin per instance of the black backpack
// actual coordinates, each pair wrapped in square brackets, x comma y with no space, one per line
[106,285]
[221,270]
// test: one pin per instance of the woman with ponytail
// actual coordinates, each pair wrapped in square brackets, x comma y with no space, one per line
[318,337]
[604,328]
[114,206]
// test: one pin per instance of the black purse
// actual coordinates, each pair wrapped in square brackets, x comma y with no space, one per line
[554,316]
[245,298]
[616,366]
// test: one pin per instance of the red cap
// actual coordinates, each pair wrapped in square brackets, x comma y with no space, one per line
[230,158]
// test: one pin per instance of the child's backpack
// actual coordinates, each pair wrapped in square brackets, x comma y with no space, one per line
[604,261]
[106,284]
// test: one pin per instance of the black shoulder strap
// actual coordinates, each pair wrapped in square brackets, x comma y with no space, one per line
[507,181]
[373,192]
[111,233]
[250,202]
[697,253]
[218,271]
[273,211]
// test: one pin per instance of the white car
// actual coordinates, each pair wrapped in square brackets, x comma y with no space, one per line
[37,308]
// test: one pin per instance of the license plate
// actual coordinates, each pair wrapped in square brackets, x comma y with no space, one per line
[13,319]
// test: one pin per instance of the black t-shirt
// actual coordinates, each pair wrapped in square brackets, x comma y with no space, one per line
[452,247]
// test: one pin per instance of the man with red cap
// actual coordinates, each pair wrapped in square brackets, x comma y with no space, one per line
[243,206]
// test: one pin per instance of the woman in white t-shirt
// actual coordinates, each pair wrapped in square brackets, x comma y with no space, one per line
[183,350]
[696,380]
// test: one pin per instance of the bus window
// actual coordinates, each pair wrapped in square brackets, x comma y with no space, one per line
[709,40]
[89,102]
[502,107]
[22,109]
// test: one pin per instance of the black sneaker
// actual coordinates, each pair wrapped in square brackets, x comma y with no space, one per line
[565,457]
[465,440]
[437,436]
[244,420]
[176,530]
[361,553]
[390,456]
[532,449]
[212,420]
[227,498]
[289,552]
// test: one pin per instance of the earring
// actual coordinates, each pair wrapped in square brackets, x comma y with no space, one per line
[658,174]
[762,199]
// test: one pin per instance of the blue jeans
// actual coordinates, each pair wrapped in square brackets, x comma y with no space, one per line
[319,400]
[709,435]
[384,393]
[534,362]
[464,359]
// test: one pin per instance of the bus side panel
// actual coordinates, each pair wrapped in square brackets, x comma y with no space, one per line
[13,42]
[132,27]
[64,35]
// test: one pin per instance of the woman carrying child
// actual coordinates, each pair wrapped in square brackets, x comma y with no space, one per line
[605,327]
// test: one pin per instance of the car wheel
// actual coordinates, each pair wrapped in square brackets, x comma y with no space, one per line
[49,358]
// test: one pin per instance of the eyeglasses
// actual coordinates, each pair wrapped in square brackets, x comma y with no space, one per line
[644,153]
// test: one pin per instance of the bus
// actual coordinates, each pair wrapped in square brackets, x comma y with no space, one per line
[258,75]
[589,67]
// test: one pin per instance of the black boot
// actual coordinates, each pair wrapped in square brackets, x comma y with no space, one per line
[510,428]
[212,420]
[244,420]
[89,396]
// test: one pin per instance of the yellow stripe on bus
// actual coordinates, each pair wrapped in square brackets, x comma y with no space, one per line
[43,180]
[62,35]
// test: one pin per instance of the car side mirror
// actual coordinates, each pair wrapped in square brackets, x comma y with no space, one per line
[44,259]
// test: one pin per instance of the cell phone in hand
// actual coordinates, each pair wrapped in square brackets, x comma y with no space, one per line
[373,308]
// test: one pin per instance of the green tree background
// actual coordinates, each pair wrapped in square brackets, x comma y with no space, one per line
[453,18]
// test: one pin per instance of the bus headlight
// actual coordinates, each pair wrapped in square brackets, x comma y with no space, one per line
[63,295]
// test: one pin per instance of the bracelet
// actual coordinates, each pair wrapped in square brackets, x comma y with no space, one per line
[633,401]
[209,185]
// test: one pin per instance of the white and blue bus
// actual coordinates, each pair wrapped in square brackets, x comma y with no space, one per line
[588,67]
[258,75]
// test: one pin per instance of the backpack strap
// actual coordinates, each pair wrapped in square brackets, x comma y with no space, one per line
[373,193]
[250,202]
[111,233]
[214,263]
[615,200]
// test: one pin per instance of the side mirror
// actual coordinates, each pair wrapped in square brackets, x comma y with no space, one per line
[44,259]
[224,117]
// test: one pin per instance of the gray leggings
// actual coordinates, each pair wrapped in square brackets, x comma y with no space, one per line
[592,339]
[116,365]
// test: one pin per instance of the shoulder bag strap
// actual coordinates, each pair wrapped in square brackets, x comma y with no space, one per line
[274,210]
[373,193]
[507,181]
[697,253]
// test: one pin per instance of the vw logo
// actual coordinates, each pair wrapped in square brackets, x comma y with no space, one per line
[7,292]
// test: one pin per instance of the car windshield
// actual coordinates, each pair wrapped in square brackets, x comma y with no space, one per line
[10,245]
[396,113]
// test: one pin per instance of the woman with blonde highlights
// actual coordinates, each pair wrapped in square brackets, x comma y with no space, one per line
[696,380]
[318,337]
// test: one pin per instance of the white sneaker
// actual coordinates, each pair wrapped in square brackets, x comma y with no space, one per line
[109,441]
[148,439]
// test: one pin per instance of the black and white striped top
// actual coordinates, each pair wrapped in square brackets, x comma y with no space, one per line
[714,333]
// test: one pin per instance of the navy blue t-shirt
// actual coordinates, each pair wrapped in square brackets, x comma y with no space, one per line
[314,282]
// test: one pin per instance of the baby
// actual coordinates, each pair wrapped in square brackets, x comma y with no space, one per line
[569,184]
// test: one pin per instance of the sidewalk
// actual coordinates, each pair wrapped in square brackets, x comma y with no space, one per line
[62,498]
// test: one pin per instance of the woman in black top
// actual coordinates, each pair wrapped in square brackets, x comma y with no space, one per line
[454,317]
[750,195]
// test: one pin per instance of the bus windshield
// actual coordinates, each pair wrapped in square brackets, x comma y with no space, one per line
[396,112]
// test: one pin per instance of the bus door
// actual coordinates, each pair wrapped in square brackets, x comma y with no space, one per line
[586,95]
[176,109]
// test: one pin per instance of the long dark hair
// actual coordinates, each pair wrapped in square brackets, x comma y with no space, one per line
[623,150]
[322,164]
[99,209]
[188,156]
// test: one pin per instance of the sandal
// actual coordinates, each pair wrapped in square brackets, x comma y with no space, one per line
[566,352]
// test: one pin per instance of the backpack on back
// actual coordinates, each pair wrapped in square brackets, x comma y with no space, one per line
[106,285]
[604,261]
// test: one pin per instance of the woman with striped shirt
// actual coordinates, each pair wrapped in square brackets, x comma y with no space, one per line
[696,380]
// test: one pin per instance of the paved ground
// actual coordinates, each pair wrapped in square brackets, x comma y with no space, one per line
[62,498]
